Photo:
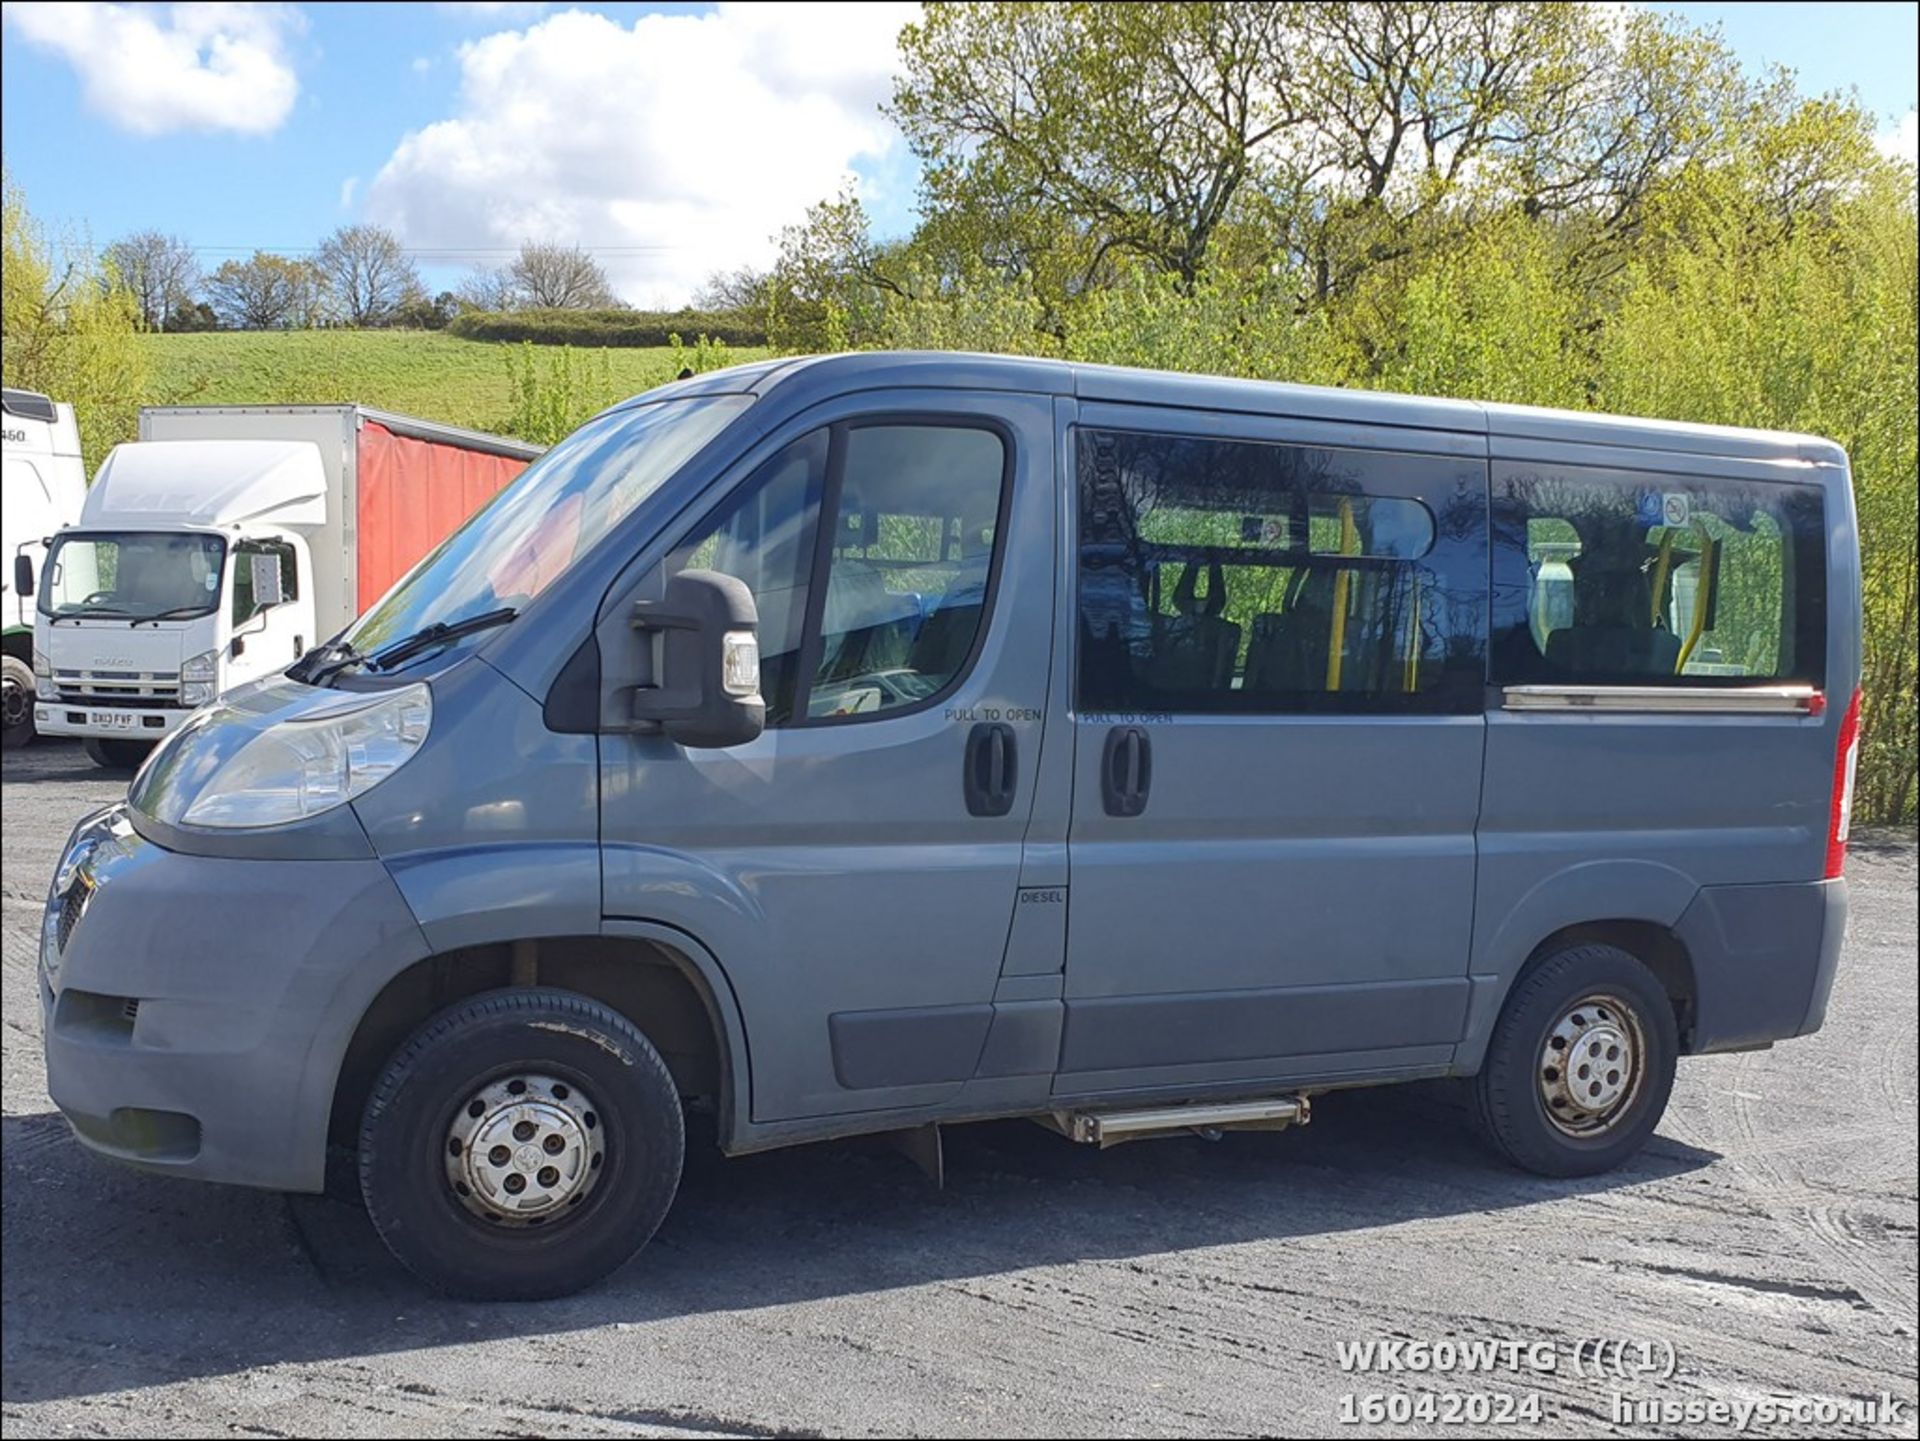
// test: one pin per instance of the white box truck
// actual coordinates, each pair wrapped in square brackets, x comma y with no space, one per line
[44,484]
[225,542]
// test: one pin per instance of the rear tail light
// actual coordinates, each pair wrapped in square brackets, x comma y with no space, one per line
[1846,760]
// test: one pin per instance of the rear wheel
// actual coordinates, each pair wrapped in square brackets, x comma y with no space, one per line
[522,1145]
[118,755]
[1580,1065]
[16,702]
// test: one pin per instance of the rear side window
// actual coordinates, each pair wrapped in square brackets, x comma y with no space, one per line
[1224,576]
[1606,578]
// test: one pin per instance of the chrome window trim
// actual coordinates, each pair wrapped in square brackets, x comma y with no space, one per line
[1652,699]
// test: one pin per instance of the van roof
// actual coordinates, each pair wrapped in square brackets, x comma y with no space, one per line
[1523,426]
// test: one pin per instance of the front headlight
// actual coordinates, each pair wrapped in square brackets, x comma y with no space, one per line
[43,687]
[198,678]
[300,767]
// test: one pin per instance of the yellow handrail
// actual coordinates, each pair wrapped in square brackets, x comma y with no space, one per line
[1342,583]
[1702,600]
[1661,567]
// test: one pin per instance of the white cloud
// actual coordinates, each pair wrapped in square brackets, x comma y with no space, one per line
[671,148]
[347,187]
[1901,141]
[490,9]
[421,64]
[185,67]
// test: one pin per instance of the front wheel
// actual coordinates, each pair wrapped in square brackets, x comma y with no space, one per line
[118,755]
[521,1145]
[1580,1065]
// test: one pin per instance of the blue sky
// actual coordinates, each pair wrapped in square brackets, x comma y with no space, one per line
[466,126]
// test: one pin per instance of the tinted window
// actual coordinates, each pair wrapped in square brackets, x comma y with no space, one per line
[882,610]
[1614,579]
[1223,575]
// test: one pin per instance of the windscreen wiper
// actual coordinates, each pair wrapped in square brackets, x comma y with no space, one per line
[91,613]
[441,630]
[170,613]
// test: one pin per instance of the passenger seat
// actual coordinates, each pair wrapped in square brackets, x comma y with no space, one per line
[1195,649]
[1611,634]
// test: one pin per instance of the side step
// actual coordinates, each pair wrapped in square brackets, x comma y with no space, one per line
[1111,1128]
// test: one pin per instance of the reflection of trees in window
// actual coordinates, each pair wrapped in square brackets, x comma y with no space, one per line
[1720,579]
[1367,570]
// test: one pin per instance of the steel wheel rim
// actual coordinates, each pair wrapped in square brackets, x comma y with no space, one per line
[16,702]
[524,1149]
[1592,1066]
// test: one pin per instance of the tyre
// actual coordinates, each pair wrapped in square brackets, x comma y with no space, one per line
[522,1144]
[118,755]
[1580,1065]
[16,702]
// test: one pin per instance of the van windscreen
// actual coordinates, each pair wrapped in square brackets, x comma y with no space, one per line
[553,513]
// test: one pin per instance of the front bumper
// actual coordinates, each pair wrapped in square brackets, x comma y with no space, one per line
[196,1008]
[66,718]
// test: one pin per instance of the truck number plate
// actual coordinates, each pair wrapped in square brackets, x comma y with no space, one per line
[113,720]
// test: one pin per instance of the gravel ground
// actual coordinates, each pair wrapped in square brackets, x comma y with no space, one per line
[1172,1287]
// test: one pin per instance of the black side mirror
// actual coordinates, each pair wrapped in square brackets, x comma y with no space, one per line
[23,574]
[706,665]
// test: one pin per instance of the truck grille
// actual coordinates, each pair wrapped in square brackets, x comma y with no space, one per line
[124,687]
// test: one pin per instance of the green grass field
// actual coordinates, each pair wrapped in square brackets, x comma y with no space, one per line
[423,373]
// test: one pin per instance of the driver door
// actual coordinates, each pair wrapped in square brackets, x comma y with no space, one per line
[841,868]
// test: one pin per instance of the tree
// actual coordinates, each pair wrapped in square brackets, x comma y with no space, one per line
[743,288]
[369,277]
[487,289]
[160,271]
[560,277]
[268,292]
[1060,140]
[69,328]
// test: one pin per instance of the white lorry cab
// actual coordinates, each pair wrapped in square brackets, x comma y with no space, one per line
[44,484]
[224,543]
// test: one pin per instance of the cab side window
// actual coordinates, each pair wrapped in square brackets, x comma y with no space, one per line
[1229,576]
[869,549]
[1620,579]
[907,568]
[245,605]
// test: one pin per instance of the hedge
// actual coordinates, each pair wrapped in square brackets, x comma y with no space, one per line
[610,327]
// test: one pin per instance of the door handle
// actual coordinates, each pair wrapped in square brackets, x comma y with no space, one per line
[992,769]
[1126,771]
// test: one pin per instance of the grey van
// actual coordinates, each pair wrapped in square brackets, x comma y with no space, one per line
[873,742]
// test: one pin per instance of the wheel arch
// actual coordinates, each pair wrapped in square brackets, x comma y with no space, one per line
[663,980]
[1635,905]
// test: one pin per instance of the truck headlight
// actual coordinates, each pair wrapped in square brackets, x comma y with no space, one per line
[198,677]
[299,767]
[43,687]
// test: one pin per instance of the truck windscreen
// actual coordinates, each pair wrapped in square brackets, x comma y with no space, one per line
[138,575]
